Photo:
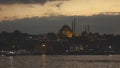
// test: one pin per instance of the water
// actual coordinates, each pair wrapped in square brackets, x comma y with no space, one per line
[60,61]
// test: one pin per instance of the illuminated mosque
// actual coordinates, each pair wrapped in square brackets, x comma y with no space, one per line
[67,31]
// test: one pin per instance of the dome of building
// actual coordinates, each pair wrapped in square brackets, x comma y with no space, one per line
[65,28]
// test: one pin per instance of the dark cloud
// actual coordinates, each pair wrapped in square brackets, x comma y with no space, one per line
[5,17]
[58,5]
[27,1]
[98,23]
[22,1]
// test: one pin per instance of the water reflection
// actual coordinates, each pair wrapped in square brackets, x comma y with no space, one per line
[43,61]
[11,61]
[60,61]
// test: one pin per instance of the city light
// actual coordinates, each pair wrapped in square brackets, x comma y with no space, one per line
[43,45]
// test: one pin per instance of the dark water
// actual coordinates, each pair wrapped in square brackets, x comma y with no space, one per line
[61,61]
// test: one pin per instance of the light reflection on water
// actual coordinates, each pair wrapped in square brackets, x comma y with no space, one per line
[60,61]
[11,61]
[43,61]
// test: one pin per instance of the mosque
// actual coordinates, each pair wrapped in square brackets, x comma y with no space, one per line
[67,31]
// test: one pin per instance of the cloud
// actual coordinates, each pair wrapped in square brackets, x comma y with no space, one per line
[59,0]
[22,1]
[5,17]
[58,5]
[111,13]
[98,23]
[52,14]
[0,9]
[27,1]
[30,6]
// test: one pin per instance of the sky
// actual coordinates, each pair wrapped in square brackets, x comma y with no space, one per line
[17,13]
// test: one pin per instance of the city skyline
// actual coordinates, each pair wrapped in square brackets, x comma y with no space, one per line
[43,16]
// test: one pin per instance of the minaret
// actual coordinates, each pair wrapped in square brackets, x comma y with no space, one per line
[85,29]
[88,28]
[74,25]
[74,22]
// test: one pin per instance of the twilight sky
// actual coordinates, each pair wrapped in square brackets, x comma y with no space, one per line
[31,15]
